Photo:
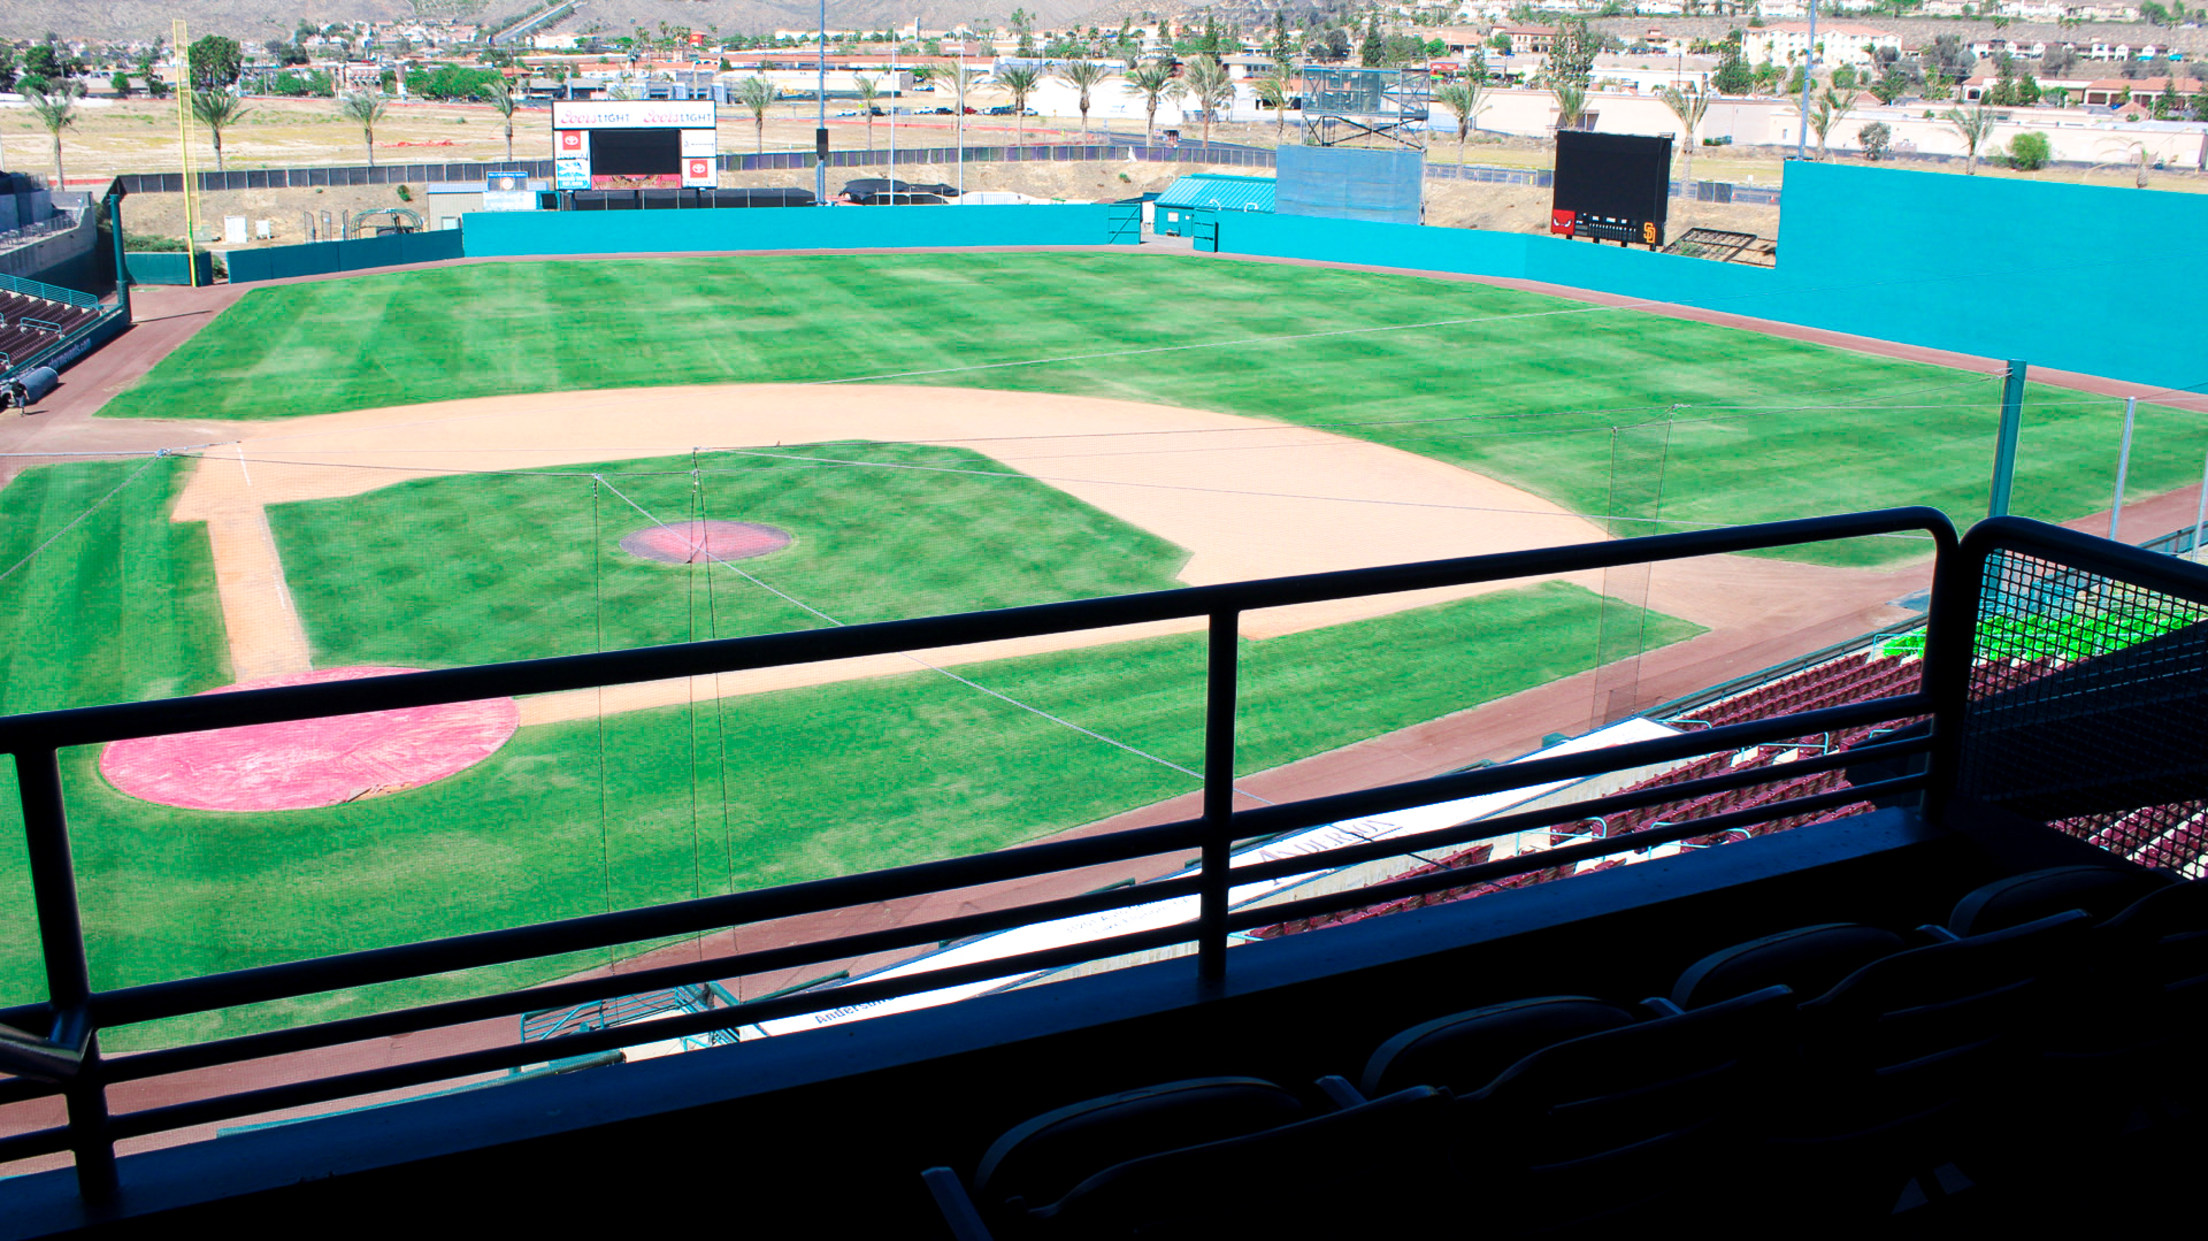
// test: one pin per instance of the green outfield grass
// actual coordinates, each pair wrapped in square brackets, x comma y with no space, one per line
[652,806]
[481,569]
[1518,385]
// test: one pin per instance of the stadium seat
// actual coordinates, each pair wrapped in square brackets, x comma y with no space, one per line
[1039,1160]
[1466,1050]
[1912,1061]
[1809,959]
[2101,891]
[1596,1130]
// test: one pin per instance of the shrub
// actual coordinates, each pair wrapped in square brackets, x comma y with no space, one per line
[2030,152]
[1875,137]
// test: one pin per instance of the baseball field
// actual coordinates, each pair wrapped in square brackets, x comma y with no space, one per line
[441,467]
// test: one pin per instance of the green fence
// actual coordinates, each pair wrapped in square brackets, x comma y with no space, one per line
[150,267]
[320,258]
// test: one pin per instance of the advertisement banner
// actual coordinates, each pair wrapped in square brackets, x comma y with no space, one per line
[697,170]
[571,144]
[700,142]
[571,174]
[633,114]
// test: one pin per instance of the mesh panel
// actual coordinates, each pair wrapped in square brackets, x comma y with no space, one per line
[2085,709]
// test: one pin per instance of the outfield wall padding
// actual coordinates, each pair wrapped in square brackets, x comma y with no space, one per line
[508,233]
[321,258]
[1994,267]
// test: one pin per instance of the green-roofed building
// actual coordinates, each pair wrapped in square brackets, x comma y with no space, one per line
[1209,191]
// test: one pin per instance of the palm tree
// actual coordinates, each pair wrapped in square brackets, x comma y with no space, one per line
[217,111]
[1083,76]
[757,94]
[1690,108]
[1571,105]
[870,89]
[1213,89]
[1832,108]
[1467,99]
[1974,126]
[962,81]
[56,112]
[1153,82]
[1274,89]
[1022,83]
[365,108]
[503,102]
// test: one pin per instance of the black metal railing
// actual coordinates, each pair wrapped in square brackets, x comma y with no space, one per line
[67,1060]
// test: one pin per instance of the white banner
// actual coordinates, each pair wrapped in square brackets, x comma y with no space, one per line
[700,142]
[697,170]
[571,174]
[633,114]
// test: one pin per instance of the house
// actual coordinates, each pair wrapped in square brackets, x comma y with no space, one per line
[1838,43]
[1527,40]
[2112,92]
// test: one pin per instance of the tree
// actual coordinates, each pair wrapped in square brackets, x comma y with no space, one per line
[364,108]
[1084,76]
[216,62]
[962,81]
[1572,52]
[7,65]
[2030,152]
[1213,89]
[119,81]
[757,94]
[1973,126]
[1832,108]
[1875,137]
[1022,83]
[503,102]
[870,89]
[56,113]
[1690,109]
[1733,77]
[1372,50]
[218,111]
[1571,105]
[1281,49]
[1153,82]
[1467,99]
[1891,85]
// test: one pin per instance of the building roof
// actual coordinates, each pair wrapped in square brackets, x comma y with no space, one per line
[1221,191]
[1828,28]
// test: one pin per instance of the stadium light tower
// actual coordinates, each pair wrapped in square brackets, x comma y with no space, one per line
[820,133]
[1809,78]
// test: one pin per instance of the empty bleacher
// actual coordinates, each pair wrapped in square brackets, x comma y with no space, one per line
[29,326]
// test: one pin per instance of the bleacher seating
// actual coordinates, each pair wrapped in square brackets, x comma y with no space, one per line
[30,325]
[1893,1074]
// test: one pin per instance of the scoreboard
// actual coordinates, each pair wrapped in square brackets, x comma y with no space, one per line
[1611,187]
[633,144]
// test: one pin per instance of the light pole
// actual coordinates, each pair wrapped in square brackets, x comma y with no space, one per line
[1809,76]
[820,133]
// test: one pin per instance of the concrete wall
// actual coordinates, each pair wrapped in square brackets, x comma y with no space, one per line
[789,228]
[1924,258]
[63,258]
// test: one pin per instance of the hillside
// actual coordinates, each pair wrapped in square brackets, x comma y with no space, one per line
[253,21]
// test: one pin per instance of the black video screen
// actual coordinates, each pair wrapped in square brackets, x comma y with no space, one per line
[1623,176]
[635,152]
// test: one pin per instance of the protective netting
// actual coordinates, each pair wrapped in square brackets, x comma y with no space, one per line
[2086,709]
[1637,458]
[1351,184]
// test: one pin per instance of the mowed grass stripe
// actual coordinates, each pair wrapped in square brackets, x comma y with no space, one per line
[1526,392]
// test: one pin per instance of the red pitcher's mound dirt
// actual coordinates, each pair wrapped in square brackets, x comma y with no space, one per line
[688,542]
[304,764]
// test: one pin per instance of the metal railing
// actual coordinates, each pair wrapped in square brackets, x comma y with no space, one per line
[50,292]
[68,1061]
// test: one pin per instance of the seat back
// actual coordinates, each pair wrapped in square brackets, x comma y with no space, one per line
[2159,945]
[1037,1161]
[2101,891]
[1365,1170]
[1464,1051]
[1610,1122]
[1809,960]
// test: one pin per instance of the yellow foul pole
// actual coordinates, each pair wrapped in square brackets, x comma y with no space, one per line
[184,146]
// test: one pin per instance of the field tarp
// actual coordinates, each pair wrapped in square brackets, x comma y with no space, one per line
[1993,267]
[506,233]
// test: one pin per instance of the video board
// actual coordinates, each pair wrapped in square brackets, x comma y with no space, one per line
[633,144]
[1611,187]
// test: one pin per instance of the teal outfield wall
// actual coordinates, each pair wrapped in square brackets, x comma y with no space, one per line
[2058,275]
[503,233]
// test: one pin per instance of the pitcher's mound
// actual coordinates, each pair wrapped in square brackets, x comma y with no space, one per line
[304,764]
[688,542]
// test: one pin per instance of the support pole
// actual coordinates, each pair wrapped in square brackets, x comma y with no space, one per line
[115,238]
[1809,79]
[2123,466]
[2200,516]
[820,132]
[1219,705]
[2004,445]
